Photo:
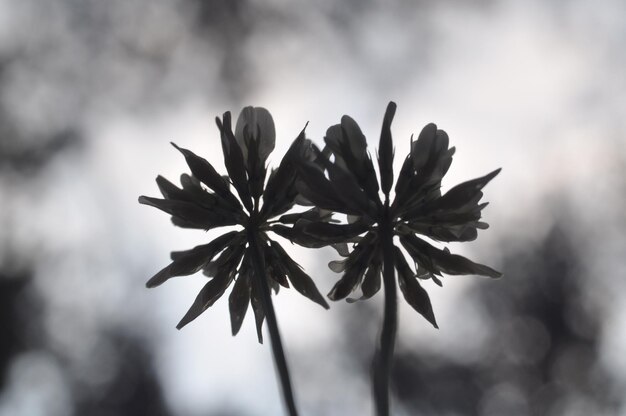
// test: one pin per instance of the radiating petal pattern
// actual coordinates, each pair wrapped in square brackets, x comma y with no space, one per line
[343,180]
[205,201]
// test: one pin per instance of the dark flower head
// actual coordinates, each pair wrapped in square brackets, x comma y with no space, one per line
[349,185]
[205,201]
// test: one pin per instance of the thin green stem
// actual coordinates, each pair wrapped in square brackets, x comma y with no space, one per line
[266,299]
[382,364]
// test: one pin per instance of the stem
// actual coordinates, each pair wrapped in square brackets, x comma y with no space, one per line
[266,299]
[381,366]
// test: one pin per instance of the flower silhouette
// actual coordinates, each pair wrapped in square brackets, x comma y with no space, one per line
[206,201]
[349,185]
[247,257]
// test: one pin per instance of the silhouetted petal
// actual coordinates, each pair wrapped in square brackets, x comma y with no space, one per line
[346,285]
[341,248]
[257,307]
[301,281]
[260,126]
[229,258]
[314,186]
[191,261]
[404,178]
[171,191]
[426,275]
[431,160]
[296,234]
[371,281]
[385,150]
[274,266]
[193,192]
[430,154]
[337,266]
[334,233]
[356,265]
[347,140]
[211,292]
[205,172]
[413,292]
[189,212]
[447,233]
[466,193]
[196,193]
[233,160]
[280,192]
[313,214]
[254,167]
[442,261]
[347,189]
[238,300]
[370,183]
[348,144]
[372,278]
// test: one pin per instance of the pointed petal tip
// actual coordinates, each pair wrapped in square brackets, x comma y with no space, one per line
[156,280]
[489,272]
[234,331]
[431,319]
[147,200]
[183,322]
[331,296]
[390,112]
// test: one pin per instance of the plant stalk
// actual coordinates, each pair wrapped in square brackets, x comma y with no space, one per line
[266,299]
[382,364]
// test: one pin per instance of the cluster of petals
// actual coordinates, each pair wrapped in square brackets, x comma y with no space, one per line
[206,201]
[341,178]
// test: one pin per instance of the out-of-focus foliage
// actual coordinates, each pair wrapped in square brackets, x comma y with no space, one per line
[131,388]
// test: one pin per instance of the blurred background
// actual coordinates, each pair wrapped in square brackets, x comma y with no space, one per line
[92,92]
